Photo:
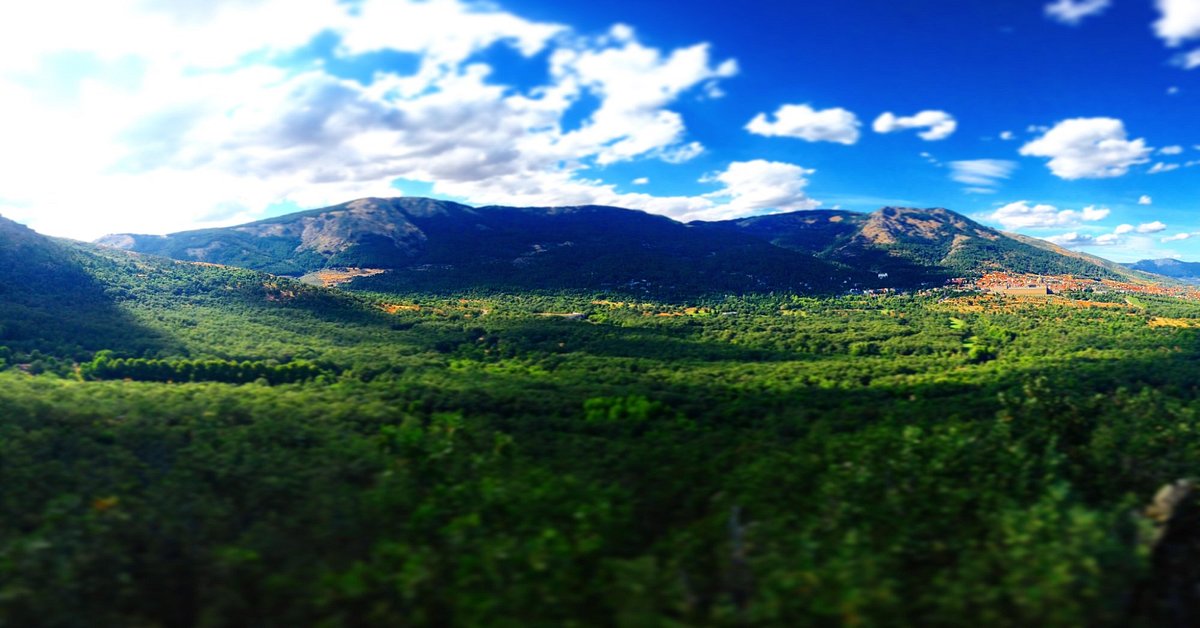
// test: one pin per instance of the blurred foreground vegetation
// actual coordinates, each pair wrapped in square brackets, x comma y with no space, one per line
[238,450]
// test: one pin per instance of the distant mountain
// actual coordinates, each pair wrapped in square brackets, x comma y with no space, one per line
[428,243]
[918,245]
[1167,267]
[1118,271]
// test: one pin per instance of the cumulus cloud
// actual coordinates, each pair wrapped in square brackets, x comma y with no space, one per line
[641,181]
[1179,236]
[1188,60]
[635,83]
[192,109]
[1023,215]
[1088,148]
[1007,135]
[938,124]
[982,174]
[1162,167]
[1120,236]
[803,122]
[1145,200]
[1170,150]
[1075,240]
[1178,22]
[1073,11]
[758,185]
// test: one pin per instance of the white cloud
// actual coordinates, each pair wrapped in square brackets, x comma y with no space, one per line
[1007,135]
[1073,11]
[982,174]
[1172,90]
[938,124]
[1170,150]
[190,112]
[641,181]
[1145,200]
[1088,148]
[679,153]
[1074,239]
[1188,60]
[635,84]
[1162,167]
[803,122]
[754,186]
[1022,215]
[1120,237]
[747,188]
[1178,22]
[1179,236]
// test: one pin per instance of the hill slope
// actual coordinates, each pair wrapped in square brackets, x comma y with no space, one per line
[50,302]
[66,300]
[918,245]
[433,244]
[1168,267]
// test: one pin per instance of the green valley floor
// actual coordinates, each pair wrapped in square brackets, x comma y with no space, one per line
[227,448]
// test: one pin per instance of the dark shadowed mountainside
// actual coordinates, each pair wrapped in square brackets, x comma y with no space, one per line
[915,246]
[50,299]
[431,244]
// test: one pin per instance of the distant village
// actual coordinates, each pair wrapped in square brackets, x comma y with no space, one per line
[1043,285]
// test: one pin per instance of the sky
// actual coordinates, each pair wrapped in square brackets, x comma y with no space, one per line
[1077,121]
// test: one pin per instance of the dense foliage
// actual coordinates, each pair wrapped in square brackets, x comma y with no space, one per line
[584,459]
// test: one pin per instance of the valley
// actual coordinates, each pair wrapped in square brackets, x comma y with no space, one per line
[192,439]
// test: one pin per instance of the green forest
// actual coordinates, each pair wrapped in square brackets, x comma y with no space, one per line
[190,445]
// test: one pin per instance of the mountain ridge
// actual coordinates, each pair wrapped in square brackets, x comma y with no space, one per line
[428,242]
[1180,270]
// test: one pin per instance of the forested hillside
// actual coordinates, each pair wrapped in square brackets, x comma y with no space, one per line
[430,244]
[919,246]
[427,244]
[51,298]
[255,451]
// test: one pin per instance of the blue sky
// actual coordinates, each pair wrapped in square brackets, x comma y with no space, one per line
[1071,120]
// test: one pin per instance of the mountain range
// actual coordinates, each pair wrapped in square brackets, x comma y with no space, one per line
[1168,267]
[425,243]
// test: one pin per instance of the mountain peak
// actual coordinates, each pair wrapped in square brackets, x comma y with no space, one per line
[891,225]
[1169,267]
[425,241]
